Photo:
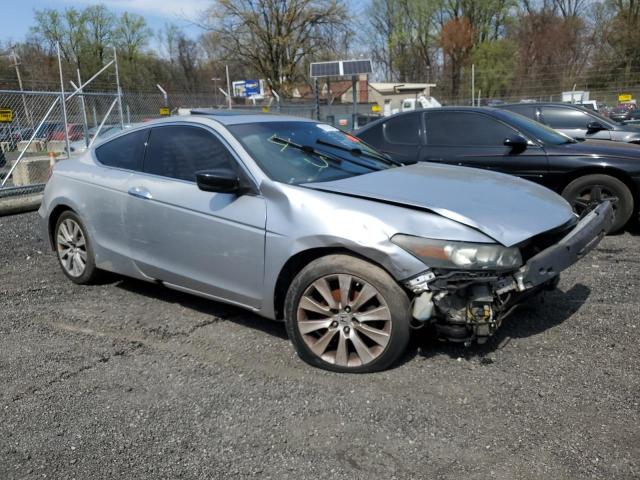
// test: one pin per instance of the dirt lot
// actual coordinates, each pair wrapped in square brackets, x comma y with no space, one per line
[131,380]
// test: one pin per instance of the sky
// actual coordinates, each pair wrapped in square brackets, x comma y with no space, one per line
[17,15]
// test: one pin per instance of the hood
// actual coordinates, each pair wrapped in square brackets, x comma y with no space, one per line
[599,148]
[507,209]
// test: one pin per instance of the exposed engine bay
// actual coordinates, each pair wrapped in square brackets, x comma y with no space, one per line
[468,306]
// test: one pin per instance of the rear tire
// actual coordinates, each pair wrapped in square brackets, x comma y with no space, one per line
[347,315]
[74,249]
[584,193]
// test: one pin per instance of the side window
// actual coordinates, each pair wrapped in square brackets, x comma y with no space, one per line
[181,151]
[404,129]
[558,117]
[526,110]
[465,129]
[125,151]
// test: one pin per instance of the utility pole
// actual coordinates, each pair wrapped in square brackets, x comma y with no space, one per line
[16,65]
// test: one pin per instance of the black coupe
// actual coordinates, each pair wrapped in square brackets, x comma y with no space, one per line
[583,172]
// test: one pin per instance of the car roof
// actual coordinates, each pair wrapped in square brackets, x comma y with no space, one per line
[236,117]
[496,112]
[544,104]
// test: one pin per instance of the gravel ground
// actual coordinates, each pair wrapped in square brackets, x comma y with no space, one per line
[131,380]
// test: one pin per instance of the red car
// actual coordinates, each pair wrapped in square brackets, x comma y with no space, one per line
[74,130]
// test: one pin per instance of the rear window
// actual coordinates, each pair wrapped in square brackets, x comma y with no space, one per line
[125,152]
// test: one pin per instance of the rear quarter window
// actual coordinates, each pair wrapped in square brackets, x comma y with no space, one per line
[403,129]
[125,152]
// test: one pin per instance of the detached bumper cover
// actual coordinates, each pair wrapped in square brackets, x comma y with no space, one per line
[576,244]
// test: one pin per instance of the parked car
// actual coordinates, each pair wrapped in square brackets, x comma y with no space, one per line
[623,114]
[74,131]
[577,122]
[295,220]
[584,173]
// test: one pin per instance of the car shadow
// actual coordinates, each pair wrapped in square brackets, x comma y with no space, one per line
[535,316]
[213,308]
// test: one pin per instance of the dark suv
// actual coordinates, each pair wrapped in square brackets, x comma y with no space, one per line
[576,121]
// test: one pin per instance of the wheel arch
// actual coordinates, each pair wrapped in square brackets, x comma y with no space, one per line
[617,173]
[301,259]
[53,219]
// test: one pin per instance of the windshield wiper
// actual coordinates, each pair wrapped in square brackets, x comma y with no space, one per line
[321,153]
[358,151]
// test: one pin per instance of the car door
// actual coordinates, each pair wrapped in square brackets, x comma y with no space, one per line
[104,192]
[573,122]
[211,243]
[475,139]
[400,136]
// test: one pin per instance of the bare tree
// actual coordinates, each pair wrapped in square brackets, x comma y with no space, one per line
[275,36]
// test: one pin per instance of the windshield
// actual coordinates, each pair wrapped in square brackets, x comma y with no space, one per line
[302,152]
[538,131]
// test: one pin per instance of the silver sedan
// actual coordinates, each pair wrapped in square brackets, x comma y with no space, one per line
[296,220]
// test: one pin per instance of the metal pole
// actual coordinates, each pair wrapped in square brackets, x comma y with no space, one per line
[228,86]
[33,136]
[27,117]
[115,60]
[473,84]
[64,103]
[317,89]
[85,122]
[128,114]
[354,96]
[329,97]
[95,117]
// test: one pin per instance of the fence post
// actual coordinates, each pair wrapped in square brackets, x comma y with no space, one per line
[115,59]
[64,103]
[354,96]
[85,122]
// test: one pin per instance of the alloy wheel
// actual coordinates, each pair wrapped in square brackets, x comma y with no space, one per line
[590,197]
[344,320]
[72,247]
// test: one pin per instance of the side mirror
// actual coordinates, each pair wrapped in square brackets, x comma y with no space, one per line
[516,142]
[220,181]
[595,127]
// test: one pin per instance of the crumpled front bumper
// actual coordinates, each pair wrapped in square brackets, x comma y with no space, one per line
[583,238]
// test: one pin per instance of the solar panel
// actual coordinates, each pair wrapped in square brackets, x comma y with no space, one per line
[356,67]
[325,69]
[340,68]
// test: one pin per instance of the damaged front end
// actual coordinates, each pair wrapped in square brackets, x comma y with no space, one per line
[471,288]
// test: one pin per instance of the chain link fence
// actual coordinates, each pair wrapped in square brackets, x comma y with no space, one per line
[32,123]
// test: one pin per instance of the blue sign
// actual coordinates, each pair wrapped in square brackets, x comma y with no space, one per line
[251,88]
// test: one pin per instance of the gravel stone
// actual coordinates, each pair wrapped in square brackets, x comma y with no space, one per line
[131,380]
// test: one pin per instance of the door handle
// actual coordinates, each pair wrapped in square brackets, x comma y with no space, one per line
[140,193]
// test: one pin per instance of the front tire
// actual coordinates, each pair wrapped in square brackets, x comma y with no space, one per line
[585,193]
[74,249]
[347,315]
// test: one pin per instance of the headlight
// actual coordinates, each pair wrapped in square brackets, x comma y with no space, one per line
[460,255]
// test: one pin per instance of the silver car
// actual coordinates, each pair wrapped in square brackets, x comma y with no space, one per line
[296,220]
